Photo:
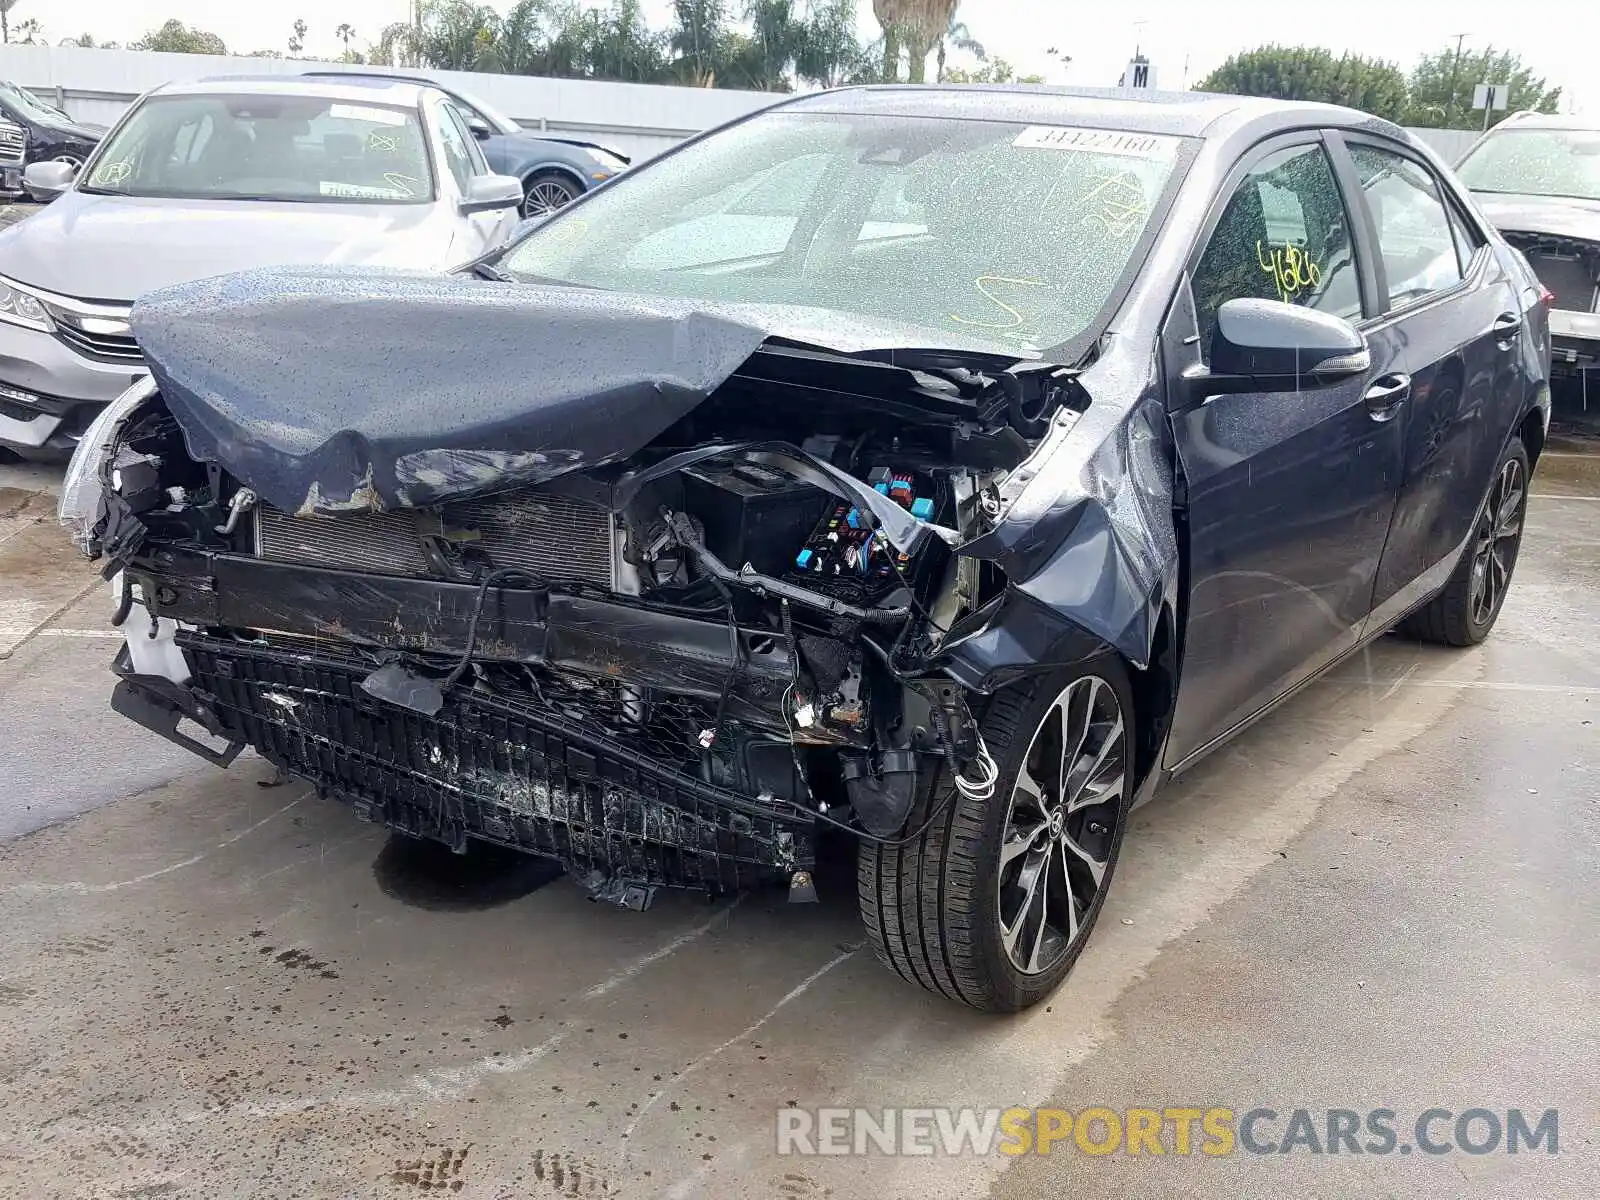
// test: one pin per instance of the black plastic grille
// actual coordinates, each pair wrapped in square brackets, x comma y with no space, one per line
[548,780]
[13,141]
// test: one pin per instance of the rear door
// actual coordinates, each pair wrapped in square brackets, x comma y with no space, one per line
[1289,494]
[1451,329]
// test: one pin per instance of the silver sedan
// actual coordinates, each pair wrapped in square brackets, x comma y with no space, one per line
[222,175]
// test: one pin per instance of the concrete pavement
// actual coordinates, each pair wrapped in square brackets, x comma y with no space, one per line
[1383,895]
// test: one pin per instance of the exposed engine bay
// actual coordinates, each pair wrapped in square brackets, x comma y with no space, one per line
[670,669]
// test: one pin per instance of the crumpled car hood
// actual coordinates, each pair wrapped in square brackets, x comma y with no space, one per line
[328,391]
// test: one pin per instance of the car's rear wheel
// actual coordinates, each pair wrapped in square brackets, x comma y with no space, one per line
[545,192]
[994,903]
[1466,610]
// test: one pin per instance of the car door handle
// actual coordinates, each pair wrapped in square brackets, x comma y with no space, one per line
[1505,327]
[1387,394]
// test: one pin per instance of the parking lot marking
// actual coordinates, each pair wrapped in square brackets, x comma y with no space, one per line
[84,889]
[655,956]
[1487,685]
[711,1055]
[446,1083]
[81,633]
[15,636]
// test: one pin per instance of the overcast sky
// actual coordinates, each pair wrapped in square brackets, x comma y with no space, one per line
[1183,38]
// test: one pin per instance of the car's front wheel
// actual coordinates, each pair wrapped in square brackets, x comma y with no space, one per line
[546,192]
[1466,610]
[993,904]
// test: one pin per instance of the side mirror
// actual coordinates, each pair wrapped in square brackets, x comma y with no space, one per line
[46,180]
[479,128]
[486,193]
[1270,346]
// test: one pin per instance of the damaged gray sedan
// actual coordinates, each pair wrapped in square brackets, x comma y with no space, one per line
[943,468]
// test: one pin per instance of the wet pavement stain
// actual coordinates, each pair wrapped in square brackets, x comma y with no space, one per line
[428,875]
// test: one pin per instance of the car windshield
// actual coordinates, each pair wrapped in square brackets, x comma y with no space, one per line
[990,230]
[32,105]
[1536,162]
[295,148]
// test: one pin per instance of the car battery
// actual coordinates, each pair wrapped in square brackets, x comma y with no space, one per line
[752,513]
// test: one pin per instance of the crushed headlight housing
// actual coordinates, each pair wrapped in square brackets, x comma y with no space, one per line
[83,486]
[23,308]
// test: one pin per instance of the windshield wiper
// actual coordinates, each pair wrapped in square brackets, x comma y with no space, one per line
[484,269]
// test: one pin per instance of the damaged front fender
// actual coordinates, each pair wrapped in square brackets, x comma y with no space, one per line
[1089,546]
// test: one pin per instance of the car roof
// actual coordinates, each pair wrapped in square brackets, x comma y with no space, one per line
[358,89]
[1184,114]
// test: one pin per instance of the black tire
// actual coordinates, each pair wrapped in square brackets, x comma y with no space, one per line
[546,191]
[933,907]
[1461,614]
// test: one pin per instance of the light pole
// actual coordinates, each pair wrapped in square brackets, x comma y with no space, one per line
[1455,70]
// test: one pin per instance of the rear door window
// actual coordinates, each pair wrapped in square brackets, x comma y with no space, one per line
[1415,238]
[1468,241]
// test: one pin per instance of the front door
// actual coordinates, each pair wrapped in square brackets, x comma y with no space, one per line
[1288,495]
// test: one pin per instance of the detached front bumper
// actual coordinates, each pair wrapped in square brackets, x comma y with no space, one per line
[49,394]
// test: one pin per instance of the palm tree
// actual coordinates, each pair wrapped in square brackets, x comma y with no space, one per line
[959,36]
[928,21]
[894,17]
[344,33]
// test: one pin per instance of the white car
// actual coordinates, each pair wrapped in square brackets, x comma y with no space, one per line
[222,175]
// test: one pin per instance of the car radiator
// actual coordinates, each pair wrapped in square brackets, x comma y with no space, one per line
[552,537]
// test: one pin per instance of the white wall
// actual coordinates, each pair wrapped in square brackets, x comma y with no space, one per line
[633,118]
[1449,144]
[636,119]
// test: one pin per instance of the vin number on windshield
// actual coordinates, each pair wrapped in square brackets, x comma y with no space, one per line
[1096,141]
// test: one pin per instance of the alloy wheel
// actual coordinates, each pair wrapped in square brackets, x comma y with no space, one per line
[1498,534]
[544,196]
[1061,824]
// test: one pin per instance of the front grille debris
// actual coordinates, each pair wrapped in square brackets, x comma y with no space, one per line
[598,778]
